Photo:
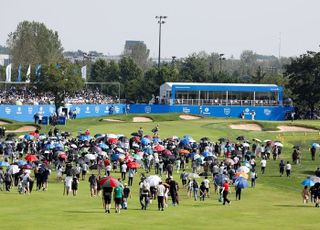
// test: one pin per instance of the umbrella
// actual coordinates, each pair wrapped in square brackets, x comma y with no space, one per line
[241,174]
[9,142]
[219,179]
[257,140]
[133,164]
[20,162]
[308,182]
[148,150]
[206,154]
[102,153]
[13,169]
[315,145]
[204,139]
[315,179]
[135,134]
[62,155]
[49,146]
[27,166]
[153,180]
[187,137]
[167,152]
[184,142]
[243,169]
[156,140]
[123,139]
[184,151]
[245,145]
[96,149]
[278,144]
[145,141]
[28,137]
[229,161]
[31,157]
[90,156]
[193,176]
[108,182]
[42,136]
[4,164]
[99,135]
[73,146]
[113,136]
[159,148]
[196,156]
[129,159]
[136,156]
[241,138]
[103,146]
[120,150]
[148,136]
[112,141]
[241,183]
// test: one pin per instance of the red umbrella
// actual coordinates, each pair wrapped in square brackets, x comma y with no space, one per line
[62,155]
[133,165]
[129,159]
[167,152]
[148,136]
[112,141]
[31,157]
[108,182]
[159,148]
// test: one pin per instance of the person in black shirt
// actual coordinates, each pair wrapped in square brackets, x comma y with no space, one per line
[126,195]
[107,195]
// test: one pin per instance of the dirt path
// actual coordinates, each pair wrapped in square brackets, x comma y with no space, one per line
[4,123]
[249,127]
[189,117]
[142,119]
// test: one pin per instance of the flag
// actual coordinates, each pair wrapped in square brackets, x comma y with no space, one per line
[28,74]
[8,73]
[38,71]
[19,73]
[84,72]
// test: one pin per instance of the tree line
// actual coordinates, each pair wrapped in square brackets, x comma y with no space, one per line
[140,78]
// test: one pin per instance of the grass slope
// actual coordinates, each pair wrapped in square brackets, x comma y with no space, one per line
[274,203]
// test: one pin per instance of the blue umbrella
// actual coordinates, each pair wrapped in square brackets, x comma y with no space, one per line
[187,137]
[85,137]
[145,141]
[49,146]
[315,145]
[156,140]
[219,179]
[59,147]
[114,157]
[184,142]
[21,162]
[148,150]
[241,182]
[28,137]
[207,154]
[103,146]
[191,155]
[307,182]
[4,164]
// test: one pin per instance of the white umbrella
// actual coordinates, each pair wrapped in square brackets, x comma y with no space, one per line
[73,146]
[14,169]
[90,156]
[278,144]
[114,136]
[267,140]
[315,179]
[244,169]
[197,156]
[245,145]
[120,150]
[153,180]
[102,153]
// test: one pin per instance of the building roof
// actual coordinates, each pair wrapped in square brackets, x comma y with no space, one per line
[170,84]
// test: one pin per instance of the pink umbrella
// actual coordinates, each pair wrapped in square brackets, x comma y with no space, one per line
[167,152]
[159,148]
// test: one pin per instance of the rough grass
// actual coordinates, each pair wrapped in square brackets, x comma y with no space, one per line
[274,203]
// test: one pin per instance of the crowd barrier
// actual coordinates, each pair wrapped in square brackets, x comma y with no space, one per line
[26,113]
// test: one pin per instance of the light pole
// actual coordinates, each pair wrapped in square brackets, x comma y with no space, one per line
[220,61]
[160,22]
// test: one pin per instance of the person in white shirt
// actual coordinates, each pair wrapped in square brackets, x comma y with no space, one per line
[67,185]
[263,164]
[123,171]
[207,185]
[161,190]
[288,169]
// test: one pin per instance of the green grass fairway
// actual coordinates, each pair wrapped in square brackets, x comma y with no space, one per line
[275,203]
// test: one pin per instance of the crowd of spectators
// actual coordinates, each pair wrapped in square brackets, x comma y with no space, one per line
[26,96]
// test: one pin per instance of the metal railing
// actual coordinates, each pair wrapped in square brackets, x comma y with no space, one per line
[221,102]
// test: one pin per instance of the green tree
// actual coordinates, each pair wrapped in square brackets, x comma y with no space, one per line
[139,53]
[61,81]
[195,68]
[304,78]
[34,43]
[258,77]
[131,78]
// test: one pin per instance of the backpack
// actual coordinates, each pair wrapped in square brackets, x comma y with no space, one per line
[7,177]
[145,187]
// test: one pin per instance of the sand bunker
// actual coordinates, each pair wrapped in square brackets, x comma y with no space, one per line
[142,119]
[4,123]
[250,127]
[112,120]
[23,129]
[287,128]
[189,117]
